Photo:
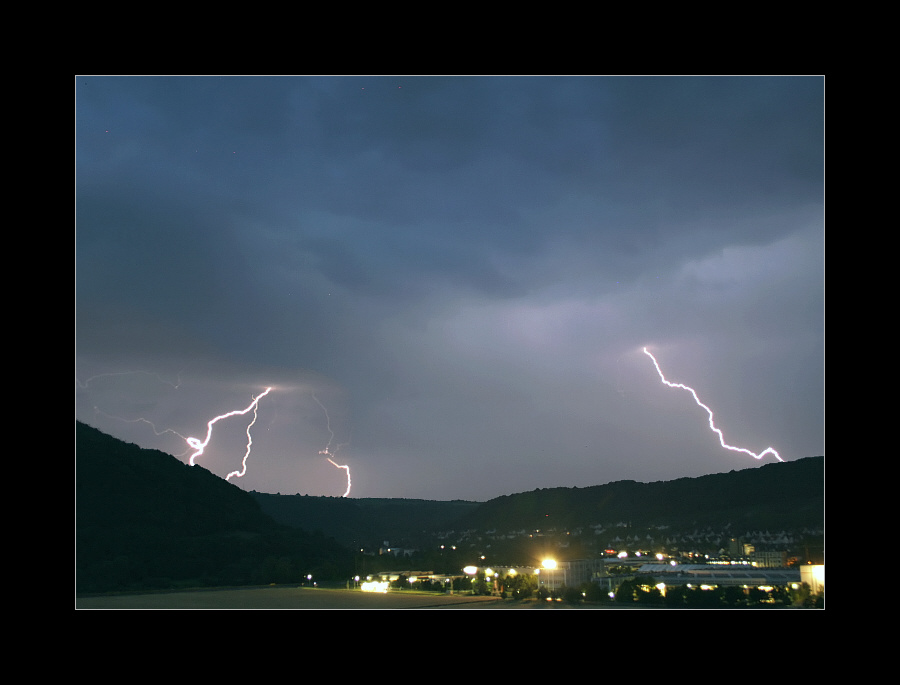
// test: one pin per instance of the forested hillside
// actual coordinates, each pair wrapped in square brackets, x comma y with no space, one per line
[789,495]
[366,522]
[779,495]
[145,520]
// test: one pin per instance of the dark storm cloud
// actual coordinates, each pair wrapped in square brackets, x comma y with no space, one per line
[472,260]
[422,169]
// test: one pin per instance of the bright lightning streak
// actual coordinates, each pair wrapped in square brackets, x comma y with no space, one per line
[341,466]
[240,474]
[200,446]
[768,450]
[327,451]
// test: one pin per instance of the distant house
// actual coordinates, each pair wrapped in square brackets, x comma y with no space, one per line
[768,559]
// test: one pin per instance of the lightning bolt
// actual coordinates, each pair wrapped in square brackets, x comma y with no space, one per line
[97,411]
[196,446]
[340,466]
[199,446]
[156,431]
[327,451]
[240,474]
[768,450]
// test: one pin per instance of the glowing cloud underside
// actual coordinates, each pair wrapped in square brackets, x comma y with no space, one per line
[768,450]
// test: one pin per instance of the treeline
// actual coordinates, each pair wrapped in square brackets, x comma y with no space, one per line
[646,592]
[633,592]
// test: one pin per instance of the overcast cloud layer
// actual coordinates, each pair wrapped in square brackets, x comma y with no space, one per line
[454,276]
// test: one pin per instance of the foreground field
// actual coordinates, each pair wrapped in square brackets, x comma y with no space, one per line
[288,598]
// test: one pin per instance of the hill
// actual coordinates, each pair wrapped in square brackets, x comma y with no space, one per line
[145,520]
[775,495]
[365,522]
[779,496]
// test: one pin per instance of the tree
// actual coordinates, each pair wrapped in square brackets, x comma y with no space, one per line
[625,591]
[571,595]
[648,594]
[594,593]
[697,598]
[734,596]
[461,584]
[519,586]
[675,596]
[646,591]
[480,587]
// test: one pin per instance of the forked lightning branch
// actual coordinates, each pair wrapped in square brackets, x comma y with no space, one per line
[199,446]
[712,426]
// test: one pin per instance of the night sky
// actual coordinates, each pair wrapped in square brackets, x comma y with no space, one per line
[448,281]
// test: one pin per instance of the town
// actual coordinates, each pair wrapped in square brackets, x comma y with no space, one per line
[703,568]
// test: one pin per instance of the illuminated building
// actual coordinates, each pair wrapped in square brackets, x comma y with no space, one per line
[573,573]
[768,559]
[814,576]
[413,576]
[743,575]
[551,574]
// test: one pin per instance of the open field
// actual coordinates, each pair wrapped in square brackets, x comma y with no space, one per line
[281,597]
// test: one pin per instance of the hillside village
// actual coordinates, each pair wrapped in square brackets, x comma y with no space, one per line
[760,547]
